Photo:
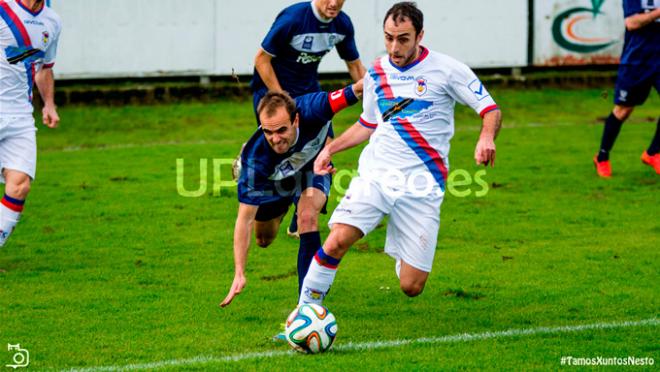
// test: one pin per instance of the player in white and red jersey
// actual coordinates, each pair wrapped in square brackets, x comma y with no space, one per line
[29,32]
[408,118]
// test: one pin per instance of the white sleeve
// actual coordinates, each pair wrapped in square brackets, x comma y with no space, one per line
[466,88]
[51,51]
[369,117]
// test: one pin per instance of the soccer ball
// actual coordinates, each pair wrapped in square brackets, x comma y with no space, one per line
[311,328]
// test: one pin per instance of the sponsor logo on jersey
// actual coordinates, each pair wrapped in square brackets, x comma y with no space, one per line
[305,58]
[401,77]
[307,43]
[421,87]
[33,22]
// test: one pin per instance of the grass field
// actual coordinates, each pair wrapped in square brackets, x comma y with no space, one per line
[110,266]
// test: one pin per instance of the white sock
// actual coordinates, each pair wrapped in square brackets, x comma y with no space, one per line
[10,212]
[319,278]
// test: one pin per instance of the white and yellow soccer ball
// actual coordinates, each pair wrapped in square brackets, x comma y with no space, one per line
[311,328]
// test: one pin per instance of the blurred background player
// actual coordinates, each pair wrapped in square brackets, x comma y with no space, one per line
[29,32]
[292,50]
[277,171]
[409,122]
[639,71]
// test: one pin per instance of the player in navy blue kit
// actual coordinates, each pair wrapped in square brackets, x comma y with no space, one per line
[277,171]
[639,72]
[290,53]
[301,35]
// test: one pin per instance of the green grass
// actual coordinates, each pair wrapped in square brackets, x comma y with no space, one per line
[111,266]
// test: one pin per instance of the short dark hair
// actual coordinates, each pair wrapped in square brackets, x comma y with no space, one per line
[406,9]
[274,100]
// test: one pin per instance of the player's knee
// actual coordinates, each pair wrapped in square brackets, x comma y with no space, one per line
[308,220]
[264,240]
[412,288]
[336,247]
[622,112]
[18,189]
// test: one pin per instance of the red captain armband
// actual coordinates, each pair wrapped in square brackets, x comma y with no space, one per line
[342,98]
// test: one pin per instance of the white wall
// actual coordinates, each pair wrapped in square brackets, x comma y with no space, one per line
[135,38]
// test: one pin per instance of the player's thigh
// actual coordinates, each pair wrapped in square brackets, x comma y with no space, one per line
[633,85]
[18,150]
[268,219]
[363,206]
[412,231]
[310,204]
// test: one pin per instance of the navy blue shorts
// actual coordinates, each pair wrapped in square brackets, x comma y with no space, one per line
[288,196]
[634,83]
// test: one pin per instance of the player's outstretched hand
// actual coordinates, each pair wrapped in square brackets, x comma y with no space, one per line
[485,152]
[236,288]
[322,164]
[50,116]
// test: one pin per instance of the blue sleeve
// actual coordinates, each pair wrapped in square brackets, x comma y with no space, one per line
[632,7]
[279,34]
[318,108]
[314,108]
[347,49]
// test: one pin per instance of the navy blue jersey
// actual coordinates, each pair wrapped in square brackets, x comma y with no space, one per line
[267,176]
[297,40]
[642,47]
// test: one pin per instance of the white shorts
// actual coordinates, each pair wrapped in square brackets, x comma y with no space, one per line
[412,230]
[18,145]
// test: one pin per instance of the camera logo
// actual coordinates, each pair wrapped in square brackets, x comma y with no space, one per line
[21,357]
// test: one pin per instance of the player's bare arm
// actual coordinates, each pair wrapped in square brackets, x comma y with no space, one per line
[46,83]
[356,69]
[242,236]
[262,62]
[352,137]
[484,153]
[637,21]
[358,88]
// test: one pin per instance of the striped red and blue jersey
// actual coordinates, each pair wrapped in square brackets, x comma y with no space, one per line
[28,42]
[411,109]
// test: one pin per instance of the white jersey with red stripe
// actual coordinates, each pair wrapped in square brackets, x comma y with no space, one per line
[28,42]
[411,109]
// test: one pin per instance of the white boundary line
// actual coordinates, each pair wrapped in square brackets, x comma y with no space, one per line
[464,337]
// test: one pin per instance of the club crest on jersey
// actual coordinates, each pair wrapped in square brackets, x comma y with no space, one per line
[307,43]
[45,36]
[420,87]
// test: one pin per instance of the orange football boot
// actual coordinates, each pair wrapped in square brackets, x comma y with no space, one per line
[603,168]
[652,160]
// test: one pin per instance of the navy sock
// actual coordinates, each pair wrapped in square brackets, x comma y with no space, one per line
[610,132]
[655,143]
[310,242]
